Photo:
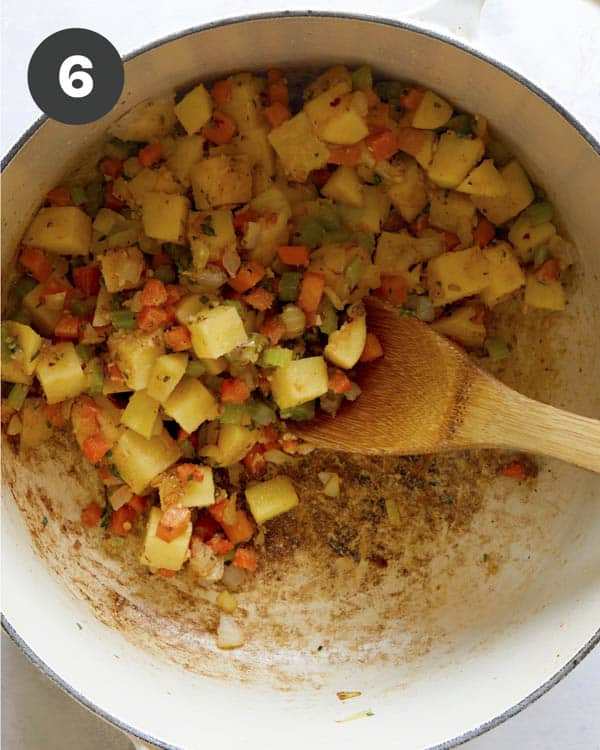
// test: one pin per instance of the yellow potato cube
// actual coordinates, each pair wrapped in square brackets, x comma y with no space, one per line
[484,180]
[24,345]
[60,229]
[233,444]
[139,460]
[187,152]
[454,159]
[345,187]
[433,112]
[243,102]
[346,128]
[345,346]
[374,210]
[327,80]
[264,236]
[452,276]
[147,121]
[35,428]
[210,247]
[164,216]
[217,332]
[43,316]
[165,374]
[140,414]
[60,372]
[255,145]
[452,212]
[405,186]
[135,352]
[194,110]
[300,381]
[122,268]
[189,307]
[298,147]
[459,325]
[525,237]
[195,494]
[191,404]
[321,108]
[519,196]
[271,498]
[221,181]
[546,295]
[160,180]
[418,143]
[505,273]
[160,554]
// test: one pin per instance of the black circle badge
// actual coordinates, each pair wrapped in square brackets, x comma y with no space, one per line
[75,76]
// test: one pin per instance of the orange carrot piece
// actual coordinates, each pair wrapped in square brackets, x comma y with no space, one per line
[339,382]
[234,391]
[173,523]
[259,298]
[382,145]
[484,232]
[548,271]
[87,279]
[345,155]
[189,472]
[393,289]
[248,276]
[294,255]
[373,349]
[240,531]
[311,291]
[110,199]
[274,75]
[220,129]
[137,503]
[67,327]
[411,97]
[451,240]
[150,154]
[254,461]
[122,520]
[245,557]
[154,293]
[411,140]
[152,318]
[111,167]
[54,414]
[221,91]
[35,262]
[178,338]
[273,328]
[514,470]
[95,448]
[278,93]
[166,573]
[91,515]
[277,114]
[219,545]
[59,196]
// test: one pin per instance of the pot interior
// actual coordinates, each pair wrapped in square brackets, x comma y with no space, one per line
[489,586]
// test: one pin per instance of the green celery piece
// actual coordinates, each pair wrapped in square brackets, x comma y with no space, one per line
[539,213]
[354,271]
[124,319]
[232,414]
[540,254]
[96,379]
[329,320]
[328,217]
[460,124]
[299,413]
[84,352]
[289,286]
[362,78]
[260,413]
[497,348]
[276,356]
[17,395]
[389,90]
[23,286]
[78,195]
[310,233]
[195,368]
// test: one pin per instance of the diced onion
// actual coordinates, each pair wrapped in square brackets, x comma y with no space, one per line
[277,457]
[226,601]
[14,426]
[234,577]
[204,564]
[229,633]
[231,261]
[120,497]
[294,320]
[353,393]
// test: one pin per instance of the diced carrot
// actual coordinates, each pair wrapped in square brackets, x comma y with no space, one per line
[378,116]
[173,294]
[382,145]
[482,314]
[59,196]
[189,472]
[451,240]
[245,557]
[548,271]
[122,520]
[277,114]
[274,75]
[241,218]
[373,349]
[248,276]
[173,523]
[273,328]
[111,167]
[393,289]
[240,531]
[411,140]
[221,91]
[154,293]
[36,262]
[268,437]
[137,503]
[219,545]
[178,338]
[339,382]
[95,448]
[410,98]
[259,298]
[151,319]
[166,573]
[206,526]
[294,255]
[56,286]
[254,461]
[278,93]
[91,515]
[514,470]
[234,391]
[114,373]
[419,224]
[311,291]
[67,327]
[319,177]
[87,279]
[110,199]
[53,413]
[345,155]
[288,445]
[484,232]
[150,154]
[171,314]
[220,129]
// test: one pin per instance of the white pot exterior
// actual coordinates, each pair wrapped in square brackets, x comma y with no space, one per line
[486,652]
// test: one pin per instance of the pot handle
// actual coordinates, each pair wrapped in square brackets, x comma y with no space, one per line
[459,18]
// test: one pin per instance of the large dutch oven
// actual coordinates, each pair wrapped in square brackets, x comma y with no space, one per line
[441,646]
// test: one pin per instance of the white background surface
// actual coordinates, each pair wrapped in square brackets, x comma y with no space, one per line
[554,44]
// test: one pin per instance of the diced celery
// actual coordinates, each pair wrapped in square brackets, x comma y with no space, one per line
[310,233]
[461,124]
[366,240]
[389,90]
[195,368]
[354,271]
[299,413]
[339,234]
[117,149]
[276,356]
[328,217]
[539,213]
[95,376]
[497,348]
[166,274]
[84,352]
[83,308]
[294,320]
[17,395]
[23,286]
[362,78]
[289,286]
[232,414]
[95,197]
[329,321]
[124,319]
[78,195]
[261,413]
[540,254]
[187,449]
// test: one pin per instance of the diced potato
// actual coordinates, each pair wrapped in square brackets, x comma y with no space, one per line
[255,145]
[186,152]
[195,494]
[298,147]
[461,326]
[195,109]
[233,444]
[210,247]
[327,80]
[519,196]
[397,251]
[24,344]
[160,180]
[134,352]
[44,317]
[322,107]
[484,180]
[217,332]
[122,268]
[452,276]
[215,366]
[370,217]
[243,102]
[141,413]
[547,295]
[345,187]
[505,273]
[160,554]
[147,121]
[164,216]
[526,237]
[405,185]
[189,307]
[165,374]
[35,428]
[300,381]
[264,236]
[345,346]
[60,372]
[191,404]
[269,499]
[433,112]
[417,143]
[60,229]
[221,181]
[335,115]
[454,159]
[452,212]
[139,460]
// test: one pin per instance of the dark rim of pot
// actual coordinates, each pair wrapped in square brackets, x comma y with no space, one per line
[587,648]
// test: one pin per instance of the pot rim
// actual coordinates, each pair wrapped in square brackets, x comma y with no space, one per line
[438,36]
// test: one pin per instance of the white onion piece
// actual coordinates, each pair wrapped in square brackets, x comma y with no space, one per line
[120,497]
[229,633]
[231,261]
[204,564]
[234,577]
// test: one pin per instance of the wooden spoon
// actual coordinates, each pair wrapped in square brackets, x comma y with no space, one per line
[426,396]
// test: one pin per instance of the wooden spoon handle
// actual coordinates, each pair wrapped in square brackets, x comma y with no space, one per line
[497,416]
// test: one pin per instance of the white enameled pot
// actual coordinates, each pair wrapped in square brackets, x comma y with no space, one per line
[439,649]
